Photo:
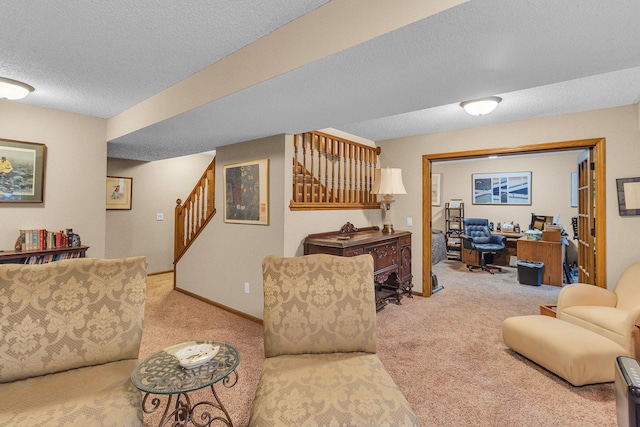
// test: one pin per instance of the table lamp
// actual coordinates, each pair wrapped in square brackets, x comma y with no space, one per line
[388,181]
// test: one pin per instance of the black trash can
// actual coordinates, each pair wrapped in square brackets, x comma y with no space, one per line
[530,272]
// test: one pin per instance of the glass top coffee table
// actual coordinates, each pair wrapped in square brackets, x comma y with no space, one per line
[205,364]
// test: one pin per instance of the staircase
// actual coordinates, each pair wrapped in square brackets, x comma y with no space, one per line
[193,215]
[332,173]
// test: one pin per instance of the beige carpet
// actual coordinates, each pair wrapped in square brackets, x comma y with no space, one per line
[445,353]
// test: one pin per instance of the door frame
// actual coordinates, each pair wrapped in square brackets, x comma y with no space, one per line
[598,146]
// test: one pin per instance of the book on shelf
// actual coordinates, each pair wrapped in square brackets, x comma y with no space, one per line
[42,239]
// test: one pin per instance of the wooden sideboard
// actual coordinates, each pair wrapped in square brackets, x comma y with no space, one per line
[391,256]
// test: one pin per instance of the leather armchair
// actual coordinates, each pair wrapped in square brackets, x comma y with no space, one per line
[613,314]
[478,237]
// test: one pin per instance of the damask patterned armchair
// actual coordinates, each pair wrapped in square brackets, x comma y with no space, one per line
[70,333]
[320,343]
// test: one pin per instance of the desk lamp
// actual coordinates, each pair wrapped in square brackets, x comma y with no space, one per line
[388,181]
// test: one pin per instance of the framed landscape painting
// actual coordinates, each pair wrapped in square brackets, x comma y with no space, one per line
[21,171]
[246,192]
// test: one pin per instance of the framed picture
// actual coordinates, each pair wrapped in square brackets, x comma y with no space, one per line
[21,171]
[246,192]
[119,190]
[628,196]
[574,189]
[510,188]
[435,189]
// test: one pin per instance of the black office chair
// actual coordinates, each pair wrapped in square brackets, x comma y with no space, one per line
[479,238]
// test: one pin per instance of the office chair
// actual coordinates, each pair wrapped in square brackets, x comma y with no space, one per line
[478,237]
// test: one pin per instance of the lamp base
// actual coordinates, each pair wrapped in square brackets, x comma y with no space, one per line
[387,229]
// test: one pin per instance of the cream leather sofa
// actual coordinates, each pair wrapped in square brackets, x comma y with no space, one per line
[614,314]
[70,333]
[320,343]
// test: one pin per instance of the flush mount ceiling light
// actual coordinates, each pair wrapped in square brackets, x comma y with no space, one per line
[482,106]
[13,89]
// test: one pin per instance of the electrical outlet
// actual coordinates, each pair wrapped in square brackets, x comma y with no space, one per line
[409,221]
[246,287]
[159,217]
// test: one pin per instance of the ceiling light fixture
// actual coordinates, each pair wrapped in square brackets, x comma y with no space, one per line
[13,89]
[482,106]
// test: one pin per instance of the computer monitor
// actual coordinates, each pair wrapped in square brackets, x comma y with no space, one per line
[538,221]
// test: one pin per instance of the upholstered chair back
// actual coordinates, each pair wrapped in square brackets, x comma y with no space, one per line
[478,229]
[318,304]
[69,314]
[628,288]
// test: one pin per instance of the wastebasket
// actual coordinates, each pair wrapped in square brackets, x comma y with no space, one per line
[530,272]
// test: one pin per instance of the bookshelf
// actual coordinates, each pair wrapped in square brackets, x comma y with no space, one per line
[42,256]
[454,217]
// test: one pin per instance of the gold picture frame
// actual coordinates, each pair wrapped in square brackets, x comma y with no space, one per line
[21,171]
[118,193]
[246,192]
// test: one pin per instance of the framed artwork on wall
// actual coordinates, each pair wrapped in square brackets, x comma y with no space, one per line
[628,190]
[574,189]
[509,188]
[119,191]
[21,171]
[435,189]
[246,192]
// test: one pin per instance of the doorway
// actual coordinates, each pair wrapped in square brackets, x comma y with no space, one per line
[596,146]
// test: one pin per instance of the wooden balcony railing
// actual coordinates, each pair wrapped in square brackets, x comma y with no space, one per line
[197,210]
[332,173]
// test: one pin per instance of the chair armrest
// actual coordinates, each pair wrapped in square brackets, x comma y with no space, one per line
[467,242]
[583,294]
[635,332]
[501,240]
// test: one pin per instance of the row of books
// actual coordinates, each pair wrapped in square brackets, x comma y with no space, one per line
[43,259]
[40,239]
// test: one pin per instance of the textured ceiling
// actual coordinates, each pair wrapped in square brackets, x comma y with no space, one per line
[543,58]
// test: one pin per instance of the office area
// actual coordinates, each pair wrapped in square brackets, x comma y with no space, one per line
[548,179]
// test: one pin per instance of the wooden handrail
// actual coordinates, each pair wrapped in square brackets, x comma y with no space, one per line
[332,173]
[197,210]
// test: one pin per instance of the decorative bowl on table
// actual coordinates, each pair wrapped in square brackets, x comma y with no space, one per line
[191,354]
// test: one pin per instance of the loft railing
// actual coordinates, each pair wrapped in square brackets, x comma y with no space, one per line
[197,210]
[332,173]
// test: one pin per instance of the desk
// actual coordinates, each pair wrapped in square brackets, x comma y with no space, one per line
[391,256]
[469,256]
[552,254]
[161,373]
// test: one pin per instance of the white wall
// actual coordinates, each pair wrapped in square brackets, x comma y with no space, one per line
[299,224]
[550,189]
[156,187]
[618,125]
[75,172]
[225,256]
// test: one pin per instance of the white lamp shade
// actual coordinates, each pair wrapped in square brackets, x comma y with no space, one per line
[388,181]
[480,107]
[13,89]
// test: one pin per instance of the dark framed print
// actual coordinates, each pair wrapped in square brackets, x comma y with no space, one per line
[119,192]
[21,171]
[628,190]
[246,192]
